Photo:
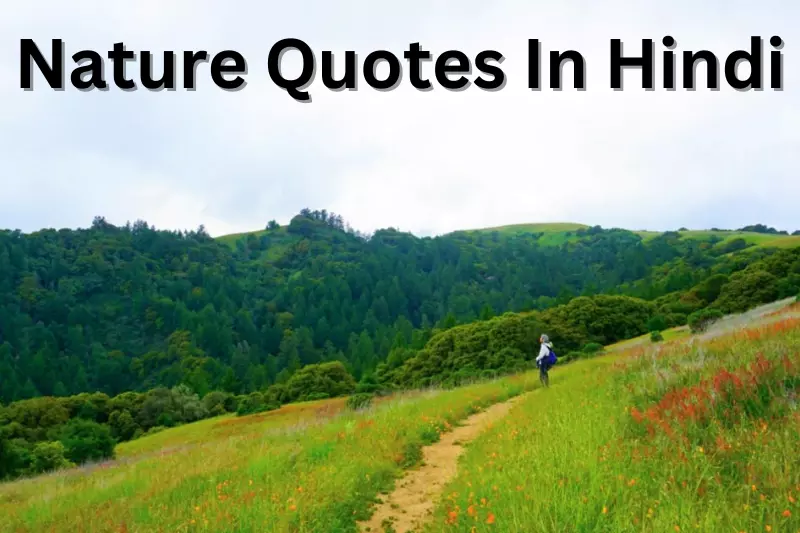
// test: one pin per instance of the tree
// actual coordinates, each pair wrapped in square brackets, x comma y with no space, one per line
[49,456]
[656,323]
[699,321]
[84,440]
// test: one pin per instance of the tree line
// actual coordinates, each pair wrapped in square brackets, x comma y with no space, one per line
[108,333]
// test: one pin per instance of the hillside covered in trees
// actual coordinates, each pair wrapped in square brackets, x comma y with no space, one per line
[112,309]
[110,333]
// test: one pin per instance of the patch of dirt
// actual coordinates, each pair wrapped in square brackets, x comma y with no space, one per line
[415,494]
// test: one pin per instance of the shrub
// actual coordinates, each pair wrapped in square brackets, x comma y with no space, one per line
[656,336]
[360,400]
[314,396]
[255,402]
[657,323]
[250,403]
[217,402]
[368,384]
[85,440]
[699,321]
[592,348]
[123,426]
[49,456]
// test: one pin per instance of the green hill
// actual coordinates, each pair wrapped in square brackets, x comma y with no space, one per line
[548,234]
[113,309]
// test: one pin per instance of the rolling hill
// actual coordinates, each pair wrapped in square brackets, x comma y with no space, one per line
[639,438]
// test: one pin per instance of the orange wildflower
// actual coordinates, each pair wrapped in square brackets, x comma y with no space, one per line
[490,518]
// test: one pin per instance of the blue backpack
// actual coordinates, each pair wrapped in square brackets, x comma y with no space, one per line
[552,358]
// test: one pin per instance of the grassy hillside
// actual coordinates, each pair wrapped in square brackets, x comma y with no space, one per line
[578,456]
[301,468]
[558,233]
[692,436]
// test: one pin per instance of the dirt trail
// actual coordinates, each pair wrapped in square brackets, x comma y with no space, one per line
[415,494]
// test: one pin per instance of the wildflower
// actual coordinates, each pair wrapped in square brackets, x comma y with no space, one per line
[490,518]
[452,517]
[605,510]
[787,513]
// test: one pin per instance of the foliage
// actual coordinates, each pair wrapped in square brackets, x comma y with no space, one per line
[361,400]
[325,380]
[699,321]
[86,440]
[696,438]
[761,228]
[656,336]
[657,323]
[255,403]
[592,348]
[49,456]
[255,473]
[116,309]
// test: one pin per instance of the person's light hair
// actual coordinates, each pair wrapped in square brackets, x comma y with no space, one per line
[544,338]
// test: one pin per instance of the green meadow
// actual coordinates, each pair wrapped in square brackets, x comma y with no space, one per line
[306,467]
[697,433]
[698,436]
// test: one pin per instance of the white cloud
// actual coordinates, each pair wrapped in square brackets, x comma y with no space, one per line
[422,161]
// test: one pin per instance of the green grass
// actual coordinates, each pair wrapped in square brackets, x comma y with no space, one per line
[554,234]
[617,443]
[669,335]
[280,240]
[547,227]
[581,456]
[758,239]
[299,469]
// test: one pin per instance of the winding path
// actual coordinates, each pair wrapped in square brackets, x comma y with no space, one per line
[416,493]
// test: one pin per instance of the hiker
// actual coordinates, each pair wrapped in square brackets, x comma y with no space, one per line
[545,360]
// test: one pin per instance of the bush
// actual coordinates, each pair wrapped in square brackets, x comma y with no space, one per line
[592,348]
[368,384]
[699,321]
[255,402]
[49,456]
[217,402]
[123,426]
[314,396]
[656,336]
[85,440]
[358,401]
[657,323]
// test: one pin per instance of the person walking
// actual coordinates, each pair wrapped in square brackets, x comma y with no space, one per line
[545,359]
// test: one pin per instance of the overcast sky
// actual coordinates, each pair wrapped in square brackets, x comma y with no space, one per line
[426,162]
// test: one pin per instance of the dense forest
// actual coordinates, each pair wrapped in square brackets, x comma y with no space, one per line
[113,309]
[109,333]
